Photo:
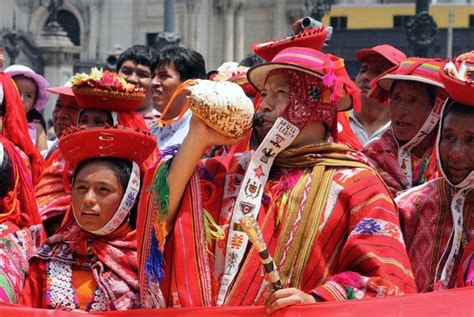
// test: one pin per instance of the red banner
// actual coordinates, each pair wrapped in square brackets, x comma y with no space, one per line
[457,302]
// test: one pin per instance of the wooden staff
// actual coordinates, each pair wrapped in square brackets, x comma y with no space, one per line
[250,226]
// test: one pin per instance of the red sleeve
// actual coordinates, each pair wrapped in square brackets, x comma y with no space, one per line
[33,290]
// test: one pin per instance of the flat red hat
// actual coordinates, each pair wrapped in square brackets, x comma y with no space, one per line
[61,90]
[458,76]
[106,91]
[310,38]
[78,145]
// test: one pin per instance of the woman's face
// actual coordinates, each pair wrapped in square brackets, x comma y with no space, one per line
[93,118]
[28,91]
[96,195]
[456,146]
[410,105]
[275,95]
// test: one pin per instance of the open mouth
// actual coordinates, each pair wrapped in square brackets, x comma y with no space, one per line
[402,124]
[90,214]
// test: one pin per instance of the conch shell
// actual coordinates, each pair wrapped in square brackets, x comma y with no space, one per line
[223,106]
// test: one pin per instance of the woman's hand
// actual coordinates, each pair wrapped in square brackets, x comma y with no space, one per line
[287,297]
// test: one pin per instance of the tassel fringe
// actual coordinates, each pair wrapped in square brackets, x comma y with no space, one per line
[211,229]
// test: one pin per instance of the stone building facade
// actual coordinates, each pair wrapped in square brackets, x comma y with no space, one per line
[221,30]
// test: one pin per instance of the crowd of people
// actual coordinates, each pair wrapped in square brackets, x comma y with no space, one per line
[360,188]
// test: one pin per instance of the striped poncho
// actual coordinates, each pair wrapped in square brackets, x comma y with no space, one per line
[326,217]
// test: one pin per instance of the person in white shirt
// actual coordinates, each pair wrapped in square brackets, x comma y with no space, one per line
[175,65]
[374,118]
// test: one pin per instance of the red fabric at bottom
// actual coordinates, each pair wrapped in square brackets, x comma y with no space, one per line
[456,302]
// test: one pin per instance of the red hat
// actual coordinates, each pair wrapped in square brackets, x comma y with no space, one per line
[62,90]
[390,53]
[424,70]
[78,145]
[106,91]
[328,67]
[311,38]
[457,77]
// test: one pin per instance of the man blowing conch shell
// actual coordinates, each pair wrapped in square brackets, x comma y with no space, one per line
[325,215]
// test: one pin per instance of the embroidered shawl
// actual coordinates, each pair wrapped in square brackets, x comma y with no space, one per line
[425,215]
[112,259]
[382,153]
[15,250]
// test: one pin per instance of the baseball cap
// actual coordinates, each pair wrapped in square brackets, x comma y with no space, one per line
[393,55]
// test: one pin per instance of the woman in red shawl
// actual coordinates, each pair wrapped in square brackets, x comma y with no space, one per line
[14,127]
[107,106]
[19,161]
[404,154]
[90,264]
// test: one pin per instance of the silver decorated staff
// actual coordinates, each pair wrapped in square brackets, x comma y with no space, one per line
[250,226]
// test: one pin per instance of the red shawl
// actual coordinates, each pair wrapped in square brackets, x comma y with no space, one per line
[19,206]
[15,126]
[53,197]
[112,258]
[382,153]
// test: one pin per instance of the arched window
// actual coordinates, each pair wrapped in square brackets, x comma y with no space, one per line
[70,24]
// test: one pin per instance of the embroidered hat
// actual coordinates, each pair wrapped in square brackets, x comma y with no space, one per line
[311,38]
[41,82]
[424,70]
[105,91]
[78,145]
[388,52]
[457,77]
[329,68]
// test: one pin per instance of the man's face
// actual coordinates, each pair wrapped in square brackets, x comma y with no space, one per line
[65,114]
[275,95]
[372,66]
[163,85]
[138,75]
[456,146]
[410,106]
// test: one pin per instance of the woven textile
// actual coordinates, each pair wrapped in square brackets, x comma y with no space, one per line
[325,216]
[382,153]
[425,215]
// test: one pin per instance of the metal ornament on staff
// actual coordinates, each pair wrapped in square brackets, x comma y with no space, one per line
[250,226]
